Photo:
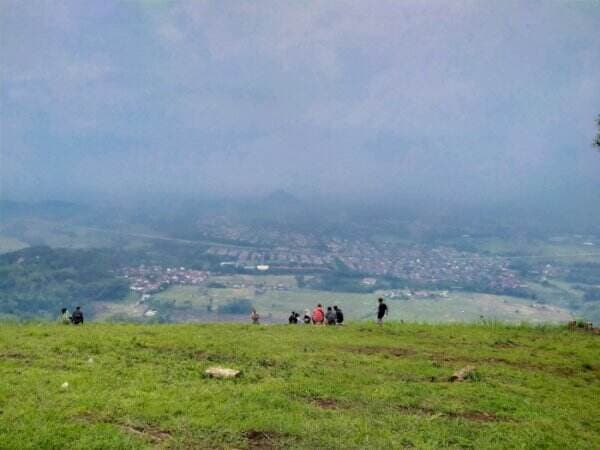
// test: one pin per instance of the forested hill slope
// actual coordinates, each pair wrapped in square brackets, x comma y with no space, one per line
[38,281]
[357,386]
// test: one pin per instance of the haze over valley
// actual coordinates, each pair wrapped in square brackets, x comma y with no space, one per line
[189,161]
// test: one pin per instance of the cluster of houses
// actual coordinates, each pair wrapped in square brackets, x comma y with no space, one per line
[424,265]
[406,294]
[152,279]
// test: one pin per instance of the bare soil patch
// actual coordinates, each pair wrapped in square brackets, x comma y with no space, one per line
[199,356]
[262,440]
[525,365]
[394,351]
[326,403]
[150,433]
[474,416]
[505,344]
[13,355]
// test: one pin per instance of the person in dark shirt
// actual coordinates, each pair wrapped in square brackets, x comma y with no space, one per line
[293,319]
[382,311]
[77,317]
[339,315]
[330,316]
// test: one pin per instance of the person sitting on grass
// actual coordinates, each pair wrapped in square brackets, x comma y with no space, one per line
[307,319]
[382,311]
[330,316]
[293,319]
[254,317]
[64,317]
[77,317]
[339,315]
[318,315]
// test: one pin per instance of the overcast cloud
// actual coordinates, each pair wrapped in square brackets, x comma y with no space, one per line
[481,100]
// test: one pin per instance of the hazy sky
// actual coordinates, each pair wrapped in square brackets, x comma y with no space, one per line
[480,100]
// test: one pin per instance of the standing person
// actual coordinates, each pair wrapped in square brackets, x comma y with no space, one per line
[254,317]
[293,319]
[382,311]
[318,315]
[64,317]
[339,315]
[307,319]
[330,316]
[77,317]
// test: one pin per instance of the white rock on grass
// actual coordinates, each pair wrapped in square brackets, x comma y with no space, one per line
[221,372]
[65,385]
[463,374]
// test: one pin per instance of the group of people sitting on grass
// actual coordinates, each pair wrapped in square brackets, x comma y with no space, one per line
[75,319]
[333,316]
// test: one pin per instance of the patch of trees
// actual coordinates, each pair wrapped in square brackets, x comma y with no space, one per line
[238,306]
[40,280]
[522,266]
[587,273]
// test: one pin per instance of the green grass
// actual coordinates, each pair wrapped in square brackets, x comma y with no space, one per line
[539,248]
[358,386]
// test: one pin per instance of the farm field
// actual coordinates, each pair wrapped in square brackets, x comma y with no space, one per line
[357,386]
[188,303]
[11,244]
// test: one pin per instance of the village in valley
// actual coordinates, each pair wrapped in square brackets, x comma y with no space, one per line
[420,266]
[292,272]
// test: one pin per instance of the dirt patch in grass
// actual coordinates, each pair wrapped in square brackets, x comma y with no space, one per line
[473,416]
[394,351]
[476,416]
[525,365]
[13,355]
[326,403]
[263,440]
[150,433]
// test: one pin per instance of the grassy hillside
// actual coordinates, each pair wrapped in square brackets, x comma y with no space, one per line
[358,386]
